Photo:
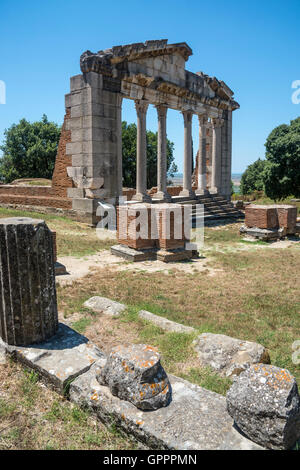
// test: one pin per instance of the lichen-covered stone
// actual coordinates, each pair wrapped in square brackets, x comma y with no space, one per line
[195,419]
[28,308]
[265,404]
[133,372]
[228,356]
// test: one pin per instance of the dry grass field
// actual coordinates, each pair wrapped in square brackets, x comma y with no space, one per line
[248,290]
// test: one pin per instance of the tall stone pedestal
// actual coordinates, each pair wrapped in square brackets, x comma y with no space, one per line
[28,307]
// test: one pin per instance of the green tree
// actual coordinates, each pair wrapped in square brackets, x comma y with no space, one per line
[129,156]
[253,178]
[29,150]
[282,171]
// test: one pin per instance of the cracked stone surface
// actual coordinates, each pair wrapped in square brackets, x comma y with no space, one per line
[265,404]
[134,373]
[195,418]
[228,356]
[60,359]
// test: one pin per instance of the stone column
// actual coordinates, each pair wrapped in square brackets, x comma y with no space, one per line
[187,166]
[162,193]
[202,155]
[119,146]
[216,154]
[141,150]
[28,308]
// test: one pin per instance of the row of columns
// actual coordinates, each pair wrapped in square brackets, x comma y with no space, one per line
[187,191]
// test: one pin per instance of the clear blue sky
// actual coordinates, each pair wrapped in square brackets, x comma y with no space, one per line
[253,46]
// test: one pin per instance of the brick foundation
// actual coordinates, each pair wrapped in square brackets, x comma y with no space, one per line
[271,217]
[163,226]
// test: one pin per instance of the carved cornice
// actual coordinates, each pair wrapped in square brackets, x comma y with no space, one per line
[114,63]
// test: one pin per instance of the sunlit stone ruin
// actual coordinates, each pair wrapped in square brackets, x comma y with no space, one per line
[128,387]
[88,166]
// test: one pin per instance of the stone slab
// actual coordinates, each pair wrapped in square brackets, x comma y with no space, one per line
[172,256]
[165,324]
[104,305]
[228,356]
[130,254]
[262,234]
[60,359]
[195,419]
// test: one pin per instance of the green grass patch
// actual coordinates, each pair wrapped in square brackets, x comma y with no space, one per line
[207,378]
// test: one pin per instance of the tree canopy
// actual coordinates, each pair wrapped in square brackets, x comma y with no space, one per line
[129,132]
[282,171]
[252,178]
[29,150]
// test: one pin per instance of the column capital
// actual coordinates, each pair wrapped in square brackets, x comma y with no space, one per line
[203,120]
[141,106]
[187,116]
[217,122]
[161,110]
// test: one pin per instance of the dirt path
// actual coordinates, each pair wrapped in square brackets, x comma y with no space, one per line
[80,267]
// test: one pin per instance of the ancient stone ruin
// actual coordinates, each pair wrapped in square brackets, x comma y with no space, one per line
[154,231]
[270,222]
[28,310]
[265,404]
[129,386]
[134,373]
[88,166]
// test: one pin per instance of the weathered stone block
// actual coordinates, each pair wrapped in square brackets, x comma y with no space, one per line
[195,419]
[28,310]
[60,359]
[228,356]
[77,82]
[165,324]
[265,404]
[104,305]
[134,373]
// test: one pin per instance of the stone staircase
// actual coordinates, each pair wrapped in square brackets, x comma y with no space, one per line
[216,207]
